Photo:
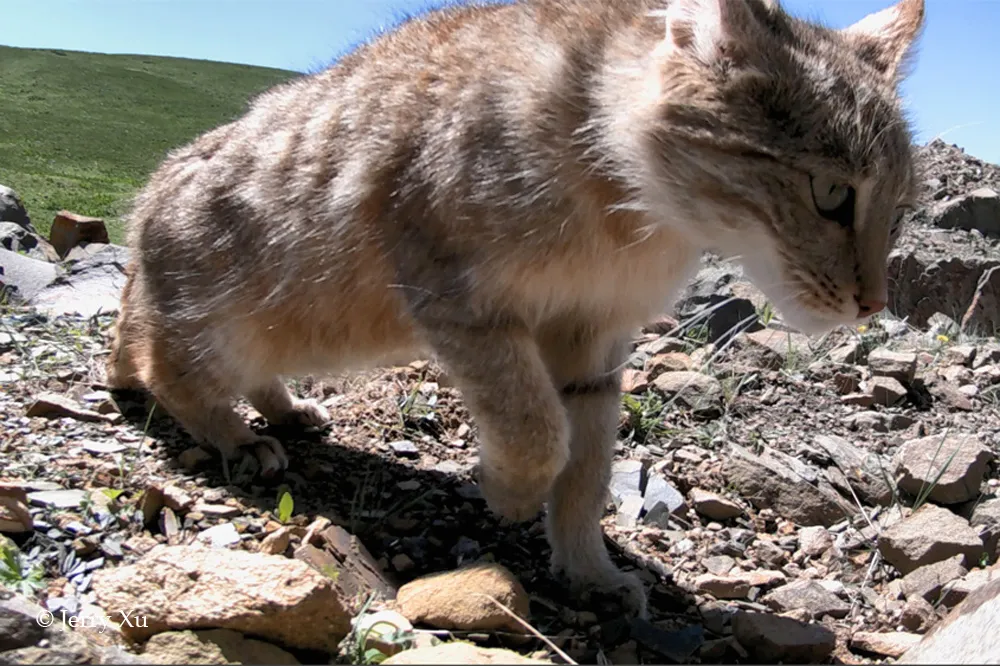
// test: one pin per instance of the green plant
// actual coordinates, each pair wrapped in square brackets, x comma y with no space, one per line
[927,488]
[286,505]
[17,574]
[765,313]
[644,416]
[356,643]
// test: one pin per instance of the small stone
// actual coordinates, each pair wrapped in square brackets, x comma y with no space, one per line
[928,535]
[220,536]
[714,506]
[670,362]
[626,480]
[55,406]
[634,381]
[102,447]
[849,352]
[629,511]
[886,391]
[773,349]
[952,467]
[960,355]
[928,581]
[58,499]
[901,366]
[808,595]
[694,390]
[276,543]
[402,563]
[661,500]
[381,631]
[858,399]
[956,591]
[770,638]
[459,652]
[217,510]
[722,587]
[918,615]
[986,519]
[892,644]
[458,599]
[719,565]
[404,448]
[814,541]
[177,499]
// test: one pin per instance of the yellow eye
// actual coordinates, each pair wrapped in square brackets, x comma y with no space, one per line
[833,200]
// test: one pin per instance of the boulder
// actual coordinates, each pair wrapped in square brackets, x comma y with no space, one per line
[12,209]
[928,535]
[22,278]
[978,210]
[190,587]
[951,467]
[968,635]
[70,230]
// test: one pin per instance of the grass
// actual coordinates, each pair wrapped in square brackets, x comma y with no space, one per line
[82,131]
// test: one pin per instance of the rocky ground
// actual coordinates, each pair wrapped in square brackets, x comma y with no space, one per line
[784,498]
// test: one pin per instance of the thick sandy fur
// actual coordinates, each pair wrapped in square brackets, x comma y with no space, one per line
[514,188]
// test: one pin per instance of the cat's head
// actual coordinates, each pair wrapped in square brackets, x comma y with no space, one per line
[790,145]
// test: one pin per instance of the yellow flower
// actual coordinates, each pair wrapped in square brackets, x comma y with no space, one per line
[862,329]
[942,338]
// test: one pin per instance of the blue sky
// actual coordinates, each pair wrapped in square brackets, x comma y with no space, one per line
[954,91]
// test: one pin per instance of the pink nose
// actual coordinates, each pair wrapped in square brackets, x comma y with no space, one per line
[869,306]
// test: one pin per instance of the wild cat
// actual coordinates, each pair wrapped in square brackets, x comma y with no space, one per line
[516,188]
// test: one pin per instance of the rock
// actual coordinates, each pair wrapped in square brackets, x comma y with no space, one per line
[17,239]
[404,448]
[946,393]
[15,518]
[814,541]
[890,644]
[850,352]
[962,355]
[857,400]
[713,506]
[928,535]
[979,210]
[70,230]
[661,500]
[90,285]
[775,349]
[677,646]
[960,460]
[877,421]
[276,542]
[629,511]
[901,366]
[918,615]
[927,581]
[968,635]
[956,591]
[458,599]
[627,479]
[986,518]
[777,481]
[808,595]
[214,646]
[220,536]
[719,565]
[634,381]
[925,283]
[12,209]
[866,472]
[216,510]
[886,391]
[722,587]
[382,631]
[17,628]
[771,638]
[670,362]
[58,499]
[459,653]
[694,390]
[709,301]
[23,278]
[177,499]
[189,587]
[55,406]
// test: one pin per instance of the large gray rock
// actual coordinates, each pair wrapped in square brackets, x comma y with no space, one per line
[866,472]
[12,209]
[93,282]
[968,635]
[923,284]
[16,238]
[928,535]
[979,210]
[793,489]
[23,278]
[710,301]
[770,638]
[951,468]
[986,519]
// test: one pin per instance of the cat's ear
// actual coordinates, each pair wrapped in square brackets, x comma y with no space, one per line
[885,38]
[702,29]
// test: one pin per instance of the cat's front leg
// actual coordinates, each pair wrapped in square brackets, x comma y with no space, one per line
[523,429]
[588,367]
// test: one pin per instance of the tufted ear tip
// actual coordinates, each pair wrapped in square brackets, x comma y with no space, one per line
[885,38]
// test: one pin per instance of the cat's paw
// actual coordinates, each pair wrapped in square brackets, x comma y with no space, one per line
[308,413]
[515,500]
[612,590]
[270,454]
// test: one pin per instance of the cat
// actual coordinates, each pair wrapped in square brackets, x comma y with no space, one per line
[517,188]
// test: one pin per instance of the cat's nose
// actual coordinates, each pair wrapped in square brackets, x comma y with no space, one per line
[869,306]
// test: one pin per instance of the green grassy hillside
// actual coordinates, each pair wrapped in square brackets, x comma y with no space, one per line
[82,131]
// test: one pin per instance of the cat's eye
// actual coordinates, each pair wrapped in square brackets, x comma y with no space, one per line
[833,200]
